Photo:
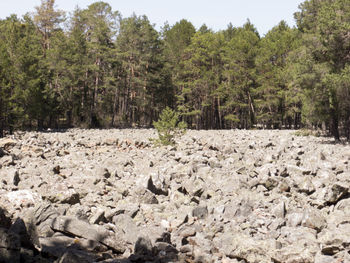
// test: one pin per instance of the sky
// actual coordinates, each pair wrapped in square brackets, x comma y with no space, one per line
[216,14]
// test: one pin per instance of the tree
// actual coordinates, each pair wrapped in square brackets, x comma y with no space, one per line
[276,104]
[99,25]
[169,127]
[143,79]
[199,79]
[176,39]
[326,26]
[24,76]
[239,77]
[47,19]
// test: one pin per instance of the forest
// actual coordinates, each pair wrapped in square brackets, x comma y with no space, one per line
[92,68]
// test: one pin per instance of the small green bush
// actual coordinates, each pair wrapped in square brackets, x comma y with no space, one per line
[169,127]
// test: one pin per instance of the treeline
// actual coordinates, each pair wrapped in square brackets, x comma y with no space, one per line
[93,68]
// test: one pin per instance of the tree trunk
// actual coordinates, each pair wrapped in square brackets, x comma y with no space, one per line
[347,128]
[219,113]
[251,109]
[115,106]
[2,128]
[335,125]
[1,120]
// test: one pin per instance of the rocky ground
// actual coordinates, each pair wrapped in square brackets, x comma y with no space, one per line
[218,196]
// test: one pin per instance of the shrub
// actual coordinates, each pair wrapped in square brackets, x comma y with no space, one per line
[169,127]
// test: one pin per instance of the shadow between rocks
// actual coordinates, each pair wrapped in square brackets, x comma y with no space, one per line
[19,243]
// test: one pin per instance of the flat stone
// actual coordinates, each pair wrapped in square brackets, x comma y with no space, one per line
[79,228]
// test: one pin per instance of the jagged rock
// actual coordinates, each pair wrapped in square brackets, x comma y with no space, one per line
[103,172]
[314,218]
[38,220]
[16,178]
[157,185]
[10,246]
[324,259]
[147,197]
[77,256]
[63,194]
[5,220]
[98,216]
[200,212]
[6,143]
[26,237]
[279,211]
[22,198]
[56,246]
[2,152]
[335,239]
[7,160]
[219,196]
[143,246]
[128,226]
[330,195]
[79,228]
[243,247]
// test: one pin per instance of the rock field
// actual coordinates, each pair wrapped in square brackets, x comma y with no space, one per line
[218,196]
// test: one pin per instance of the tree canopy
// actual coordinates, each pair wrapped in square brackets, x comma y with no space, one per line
[94,68]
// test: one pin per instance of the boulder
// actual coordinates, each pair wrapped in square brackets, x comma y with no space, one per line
[79,228]
[10,246]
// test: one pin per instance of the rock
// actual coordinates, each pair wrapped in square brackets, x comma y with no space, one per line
[63,194]
[79,228]
[130,209]
[128,226]
[294,253]
[313,218]
[103,172]
[10,246]
[77,256]
[98,216]
[219,196]
[22,198]
[157,185]
[147,197]
[38,220]
[324,259]
[295,219]
[335,239]
[279,211]
[57,245]
[166,252]
[56,169]
[305,185]
[200,212]
[243,247]
[2,152]
[6,143]
[143,246]
[26,239]
[299,244]
[5,220]
[16,178]
[331,194]
[187,231]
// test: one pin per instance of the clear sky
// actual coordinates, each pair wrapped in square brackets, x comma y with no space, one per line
[216,14]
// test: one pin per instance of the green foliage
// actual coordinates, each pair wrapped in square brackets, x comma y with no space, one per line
[239,77]
[277,100]
[95,68]
[169,127]
[323,59]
